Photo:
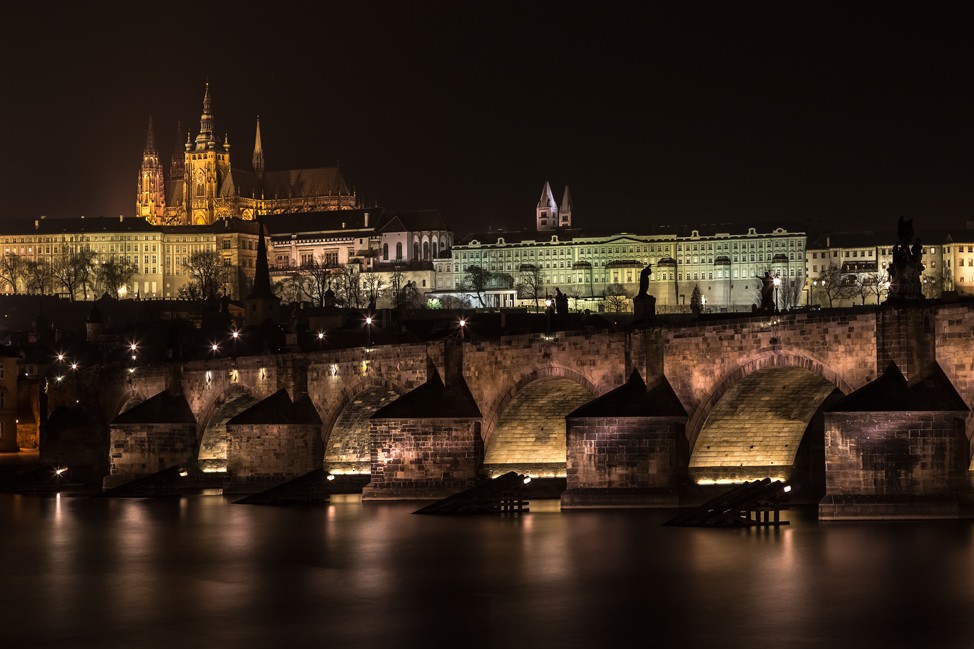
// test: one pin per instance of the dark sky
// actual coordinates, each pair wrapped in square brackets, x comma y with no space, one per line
[814,113]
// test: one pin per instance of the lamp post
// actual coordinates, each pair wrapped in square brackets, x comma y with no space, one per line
[547,310]
[777,283]
[462,324]
[368,326]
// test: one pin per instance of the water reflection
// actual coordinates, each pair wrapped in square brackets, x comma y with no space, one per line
[83,572]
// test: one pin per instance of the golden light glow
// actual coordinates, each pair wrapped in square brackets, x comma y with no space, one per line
[727,481]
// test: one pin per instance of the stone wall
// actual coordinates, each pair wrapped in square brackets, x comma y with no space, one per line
[423,458]
[703,359]
[631,460]
[497,370]
[272,451]
[892,459]
[138,450]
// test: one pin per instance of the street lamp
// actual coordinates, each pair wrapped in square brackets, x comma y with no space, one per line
[368,325]
[462,323]
[777,283]
[548,302]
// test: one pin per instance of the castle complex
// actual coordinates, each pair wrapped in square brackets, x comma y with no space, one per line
[206,203]
[203,186]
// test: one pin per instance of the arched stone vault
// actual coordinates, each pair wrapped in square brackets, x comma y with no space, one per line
[212,426]
[502,401]
[756,427]
[762,360]
[529,433]
[346,444]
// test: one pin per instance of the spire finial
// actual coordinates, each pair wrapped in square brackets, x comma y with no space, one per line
[150,144]
[258,159]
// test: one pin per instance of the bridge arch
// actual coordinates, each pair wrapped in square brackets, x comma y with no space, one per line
[126,401]
[525,427]
[761,360]
[754,421]
[346,429]
[211,427]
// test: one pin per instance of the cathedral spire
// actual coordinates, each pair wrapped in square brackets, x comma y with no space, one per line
[205,139]
[258,159]
[565,210]
[150,202]
[177,164]
[547,211]
[150,144]
[262,273]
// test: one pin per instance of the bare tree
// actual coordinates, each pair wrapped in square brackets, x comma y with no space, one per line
[74,271]
[867,285]
[348,290]
[37,277]
[834,285]
[208,275]
[291,287]
[477,279]
[371,287]
[114,273]
[318,276]
[404,292]
[530,284]
[11,270]
[616,298]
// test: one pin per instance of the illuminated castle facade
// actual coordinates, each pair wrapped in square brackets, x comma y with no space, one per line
[204,187]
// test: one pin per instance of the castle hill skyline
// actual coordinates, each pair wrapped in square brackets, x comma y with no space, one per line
[821,118]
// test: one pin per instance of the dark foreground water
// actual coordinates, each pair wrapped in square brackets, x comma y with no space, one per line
[202,572]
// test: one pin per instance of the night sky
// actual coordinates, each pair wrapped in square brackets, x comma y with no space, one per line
[819,114]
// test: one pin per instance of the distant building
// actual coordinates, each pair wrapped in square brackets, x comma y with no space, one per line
[851,268]
[203,186]
[601,271]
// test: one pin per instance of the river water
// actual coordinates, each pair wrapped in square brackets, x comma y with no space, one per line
[203,572]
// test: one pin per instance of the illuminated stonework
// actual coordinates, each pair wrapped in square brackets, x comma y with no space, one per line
[755,430]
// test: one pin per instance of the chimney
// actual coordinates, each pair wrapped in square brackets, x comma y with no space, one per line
[366,220]
[37,224]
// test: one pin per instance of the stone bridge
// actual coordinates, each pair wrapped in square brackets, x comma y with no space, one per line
[654,410]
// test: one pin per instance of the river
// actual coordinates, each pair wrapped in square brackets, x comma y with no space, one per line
[204,572]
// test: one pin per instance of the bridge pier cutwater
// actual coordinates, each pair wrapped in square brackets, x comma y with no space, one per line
[867,408]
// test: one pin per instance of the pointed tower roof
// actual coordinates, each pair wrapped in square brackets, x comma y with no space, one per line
[206,121]
[150,143]
[566,201]
[178,164]
[262,273]
[258,159]
[547,198]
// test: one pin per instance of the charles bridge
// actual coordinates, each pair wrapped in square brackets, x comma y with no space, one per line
[870,404]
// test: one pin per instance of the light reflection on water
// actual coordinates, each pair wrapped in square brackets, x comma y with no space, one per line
[198,572]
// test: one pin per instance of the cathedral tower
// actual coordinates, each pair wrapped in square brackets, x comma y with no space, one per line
[206,168]
[565,210]
[150,203]
[547,212]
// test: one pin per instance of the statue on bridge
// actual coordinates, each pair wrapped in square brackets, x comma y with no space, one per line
[906,268]
[561,302]
[767,292]
[644,304]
